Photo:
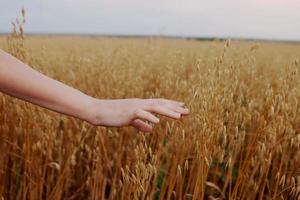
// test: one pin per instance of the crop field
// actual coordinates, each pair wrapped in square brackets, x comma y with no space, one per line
[241,140]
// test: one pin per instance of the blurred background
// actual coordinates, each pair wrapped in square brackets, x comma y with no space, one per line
[241,140]
[247,19]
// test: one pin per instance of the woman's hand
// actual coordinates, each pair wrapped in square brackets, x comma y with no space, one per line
[19,80]
[133,112]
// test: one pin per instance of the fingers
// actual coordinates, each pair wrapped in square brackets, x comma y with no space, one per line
[163,110]
[168,101]
[142,114]
[177,106]
[165,107]
[169,108]
[181,110]
[140,125]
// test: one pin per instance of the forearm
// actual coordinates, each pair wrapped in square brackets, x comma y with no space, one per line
[21,81]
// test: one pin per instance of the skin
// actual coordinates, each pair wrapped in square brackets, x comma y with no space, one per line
[19,80]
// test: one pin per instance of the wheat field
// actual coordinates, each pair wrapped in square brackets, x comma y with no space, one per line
[241,140]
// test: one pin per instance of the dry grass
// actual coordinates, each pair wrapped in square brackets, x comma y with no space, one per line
[242,140]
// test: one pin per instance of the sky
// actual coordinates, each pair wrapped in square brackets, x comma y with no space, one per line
[258,19]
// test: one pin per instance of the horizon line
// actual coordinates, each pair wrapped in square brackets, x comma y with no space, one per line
[197,38]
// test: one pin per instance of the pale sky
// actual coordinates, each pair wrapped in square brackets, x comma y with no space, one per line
[263,19]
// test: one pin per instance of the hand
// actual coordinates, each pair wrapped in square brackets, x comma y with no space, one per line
[134,112]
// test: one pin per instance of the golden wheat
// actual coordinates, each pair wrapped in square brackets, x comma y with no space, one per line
[242,140]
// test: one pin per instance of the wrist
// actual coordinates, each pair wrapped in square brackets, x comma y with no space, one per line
[91,111]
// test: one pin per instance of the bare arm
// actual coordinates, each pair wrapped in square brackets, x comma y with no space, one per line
[19,80]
